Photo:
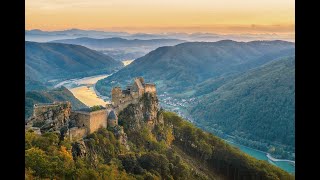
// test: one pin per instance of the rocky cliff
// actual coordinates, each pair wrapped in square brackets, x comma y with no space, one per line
[50,117]
[144,113]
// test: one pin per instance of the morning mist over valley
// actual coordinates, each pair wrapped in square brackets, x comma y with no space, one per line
[169,90]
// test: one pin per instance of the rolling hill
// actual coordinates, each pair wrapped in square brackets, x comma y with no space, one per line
[47,61]
[179,68]
[258,105]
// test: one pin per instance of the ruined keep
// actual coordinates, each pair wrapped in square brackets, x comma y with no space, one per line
[141,105]
[91,120]
[50,116]
[131,95]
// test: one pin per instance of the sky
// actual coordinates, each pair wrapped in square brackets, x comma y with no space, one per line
[218,16]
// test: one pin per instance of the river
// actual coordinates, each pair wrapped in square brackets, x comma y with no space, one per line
[286,165]
[84,90]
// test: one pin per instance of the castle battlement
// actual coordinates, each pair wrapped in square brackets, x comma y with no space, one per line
[150,88]
[55,103]
[92,121]
[121,98]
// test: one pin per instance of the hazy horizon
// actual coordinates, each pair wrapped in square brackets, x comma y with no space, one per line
[137,31]
[230,16]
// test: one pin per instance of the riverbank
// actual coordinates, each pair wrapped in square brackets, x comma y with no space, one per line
[84,89]
[284,164]
[274,159]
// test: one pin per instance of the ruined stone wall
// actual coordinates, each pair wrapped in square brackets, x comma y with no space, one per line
[82,119]
[45,110]
[98,119]
[109,107]
[51,117]
[140,79]
[121,100]
[138,87]
[76,133]
[125,104]
[116,95]
[150,88]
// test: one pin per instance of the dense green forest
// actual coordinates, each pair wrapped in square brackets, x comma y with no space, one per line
[256,106]
[49,96]
[47,61]
[178,68]
[173,150]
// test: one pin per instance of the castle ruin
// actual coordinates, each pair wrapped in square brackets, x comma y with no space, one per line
[59,117]
[122,98]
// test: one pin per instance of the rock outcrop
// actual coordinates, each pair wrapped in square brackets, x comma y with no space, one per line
[79,149]
[144,113]
[50,117]
[121,136]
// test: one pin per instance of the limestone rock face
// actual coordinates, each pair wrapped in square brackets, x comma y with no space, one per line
[121,135]
[51,117]
[144,113]
[79,149]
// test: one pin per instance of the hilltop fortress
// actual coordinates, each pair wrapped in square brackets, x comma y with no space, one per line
[59,116]
[122,98]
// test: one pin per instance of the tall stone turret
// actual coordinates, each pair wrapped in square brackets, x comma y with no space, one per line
[112,119]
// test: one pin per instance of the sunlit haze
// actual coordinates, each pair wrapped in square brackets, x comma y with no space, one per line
[227,16]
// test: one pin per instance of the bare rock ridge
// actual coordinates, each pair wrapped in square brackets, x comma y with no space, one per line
[143,113]
[50,117]
[135,107]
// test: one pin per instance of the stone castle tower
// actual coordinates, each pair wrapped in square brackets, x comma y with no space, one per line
[122,98]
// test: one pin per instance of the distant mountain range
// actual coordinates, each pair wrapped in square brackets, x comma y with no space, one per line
[258,105]
[119,42]
[45,36]
[47,61]
[180,68]
[49,96]
[122,49]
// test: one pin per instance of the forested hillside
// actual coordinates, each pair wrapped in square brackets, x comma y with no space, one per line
[47,61]
[181,67]
[184,152]
[257,105]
